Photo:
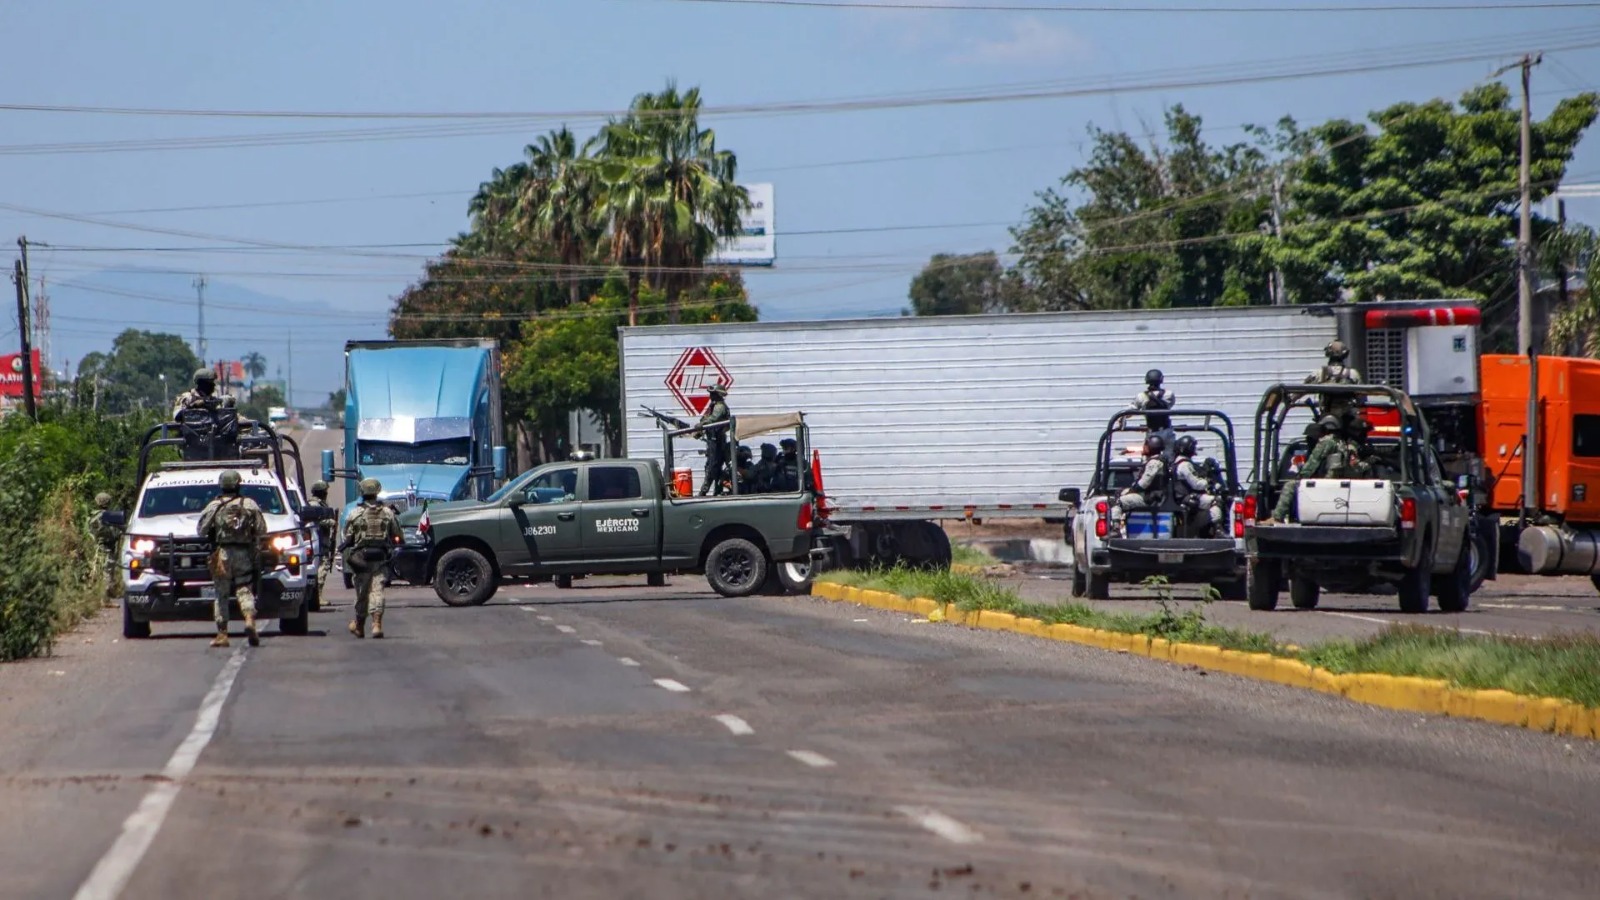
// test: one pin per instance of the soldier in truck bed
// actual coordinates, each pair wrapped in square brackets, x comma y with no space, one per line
[716,439]
[1331,458]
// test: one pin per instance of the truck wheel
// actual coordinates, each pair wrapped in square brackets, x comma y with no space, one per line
[795,576]
[923,545]
[132,628]
[1230,590]
[1080,584]
[656,579]
[564,582]
[1455,591]
[736,568]
[1098,587]
[1263,582]
[1481,549]
[1416,584]
[1304,593]
[464,578]
[313,596]
[297,625]
[1595,580]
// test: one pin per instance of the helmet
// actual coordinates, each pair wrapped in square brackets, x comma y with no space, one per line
[1336,351]
[1185,445]
[718,390]
[1153,377]
[1328,424]
[1154,444]
[205,376]
[789,444]
[229,481]
[319,489]
[768,451]
[1361,426]
[370,487]
[102,500]
[744,451]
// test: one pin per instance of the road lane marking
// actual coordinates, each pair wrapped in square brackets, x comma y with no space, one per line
[590,641]
[626,661]
[112,872]
[677,687]
[735,724]
[940,824]
[566,629]
[814,760]
[1393,622]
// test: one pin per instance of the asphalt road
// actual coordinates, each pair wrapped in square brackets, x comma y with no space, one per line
[620,741]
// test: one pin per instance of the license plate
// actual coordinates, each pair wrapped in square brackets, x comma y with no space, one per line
[209,592]
[1169,558]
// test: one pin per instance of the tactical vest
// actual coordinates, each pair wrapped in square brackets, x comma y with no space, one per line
[371,528]
[232,523]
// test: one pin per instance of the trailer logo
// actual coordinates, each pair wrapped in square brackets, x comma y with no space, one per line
[697,369]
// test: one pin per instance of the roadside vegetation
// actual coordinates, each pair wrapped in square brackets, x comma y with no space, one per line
[51,576]
[1565,666]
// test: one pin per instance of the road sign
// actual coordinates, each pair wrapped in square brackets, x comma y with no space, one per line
[697,369]
[11,375]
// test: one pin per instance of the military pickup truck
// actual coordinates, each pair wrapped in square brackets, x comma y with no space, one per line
[1400,525]
[608,517]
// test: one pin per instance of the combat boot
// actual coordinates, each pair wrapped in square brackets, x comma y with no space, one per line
[377,625]
[250,631]
[221,640]
[357,629]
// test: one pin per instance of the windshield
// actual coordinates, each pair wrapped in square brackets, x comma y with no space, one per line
[192,498]
[454,452]
[507,488]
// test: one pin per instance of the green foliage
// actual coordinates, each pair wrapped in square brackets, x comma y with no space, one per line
[255,365]
[336,402]
[261,400]
[1575,328]
[954,284]
[129,377]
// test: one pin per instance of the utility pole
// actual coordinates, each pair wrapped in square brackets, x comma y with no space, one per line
[1525,339]
[288,382]
[1280,296]
[41,329]
[23,328]
[200,301]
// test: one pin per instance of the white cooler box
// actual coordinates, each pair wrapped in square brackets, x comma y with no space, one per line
[1335,501]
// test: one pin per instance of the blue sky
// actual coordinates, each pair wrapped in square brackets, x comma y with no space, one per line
[979,164]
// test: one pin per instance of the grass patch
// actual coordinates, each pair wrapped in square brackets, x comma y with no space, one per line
[967,555]
[1565,666]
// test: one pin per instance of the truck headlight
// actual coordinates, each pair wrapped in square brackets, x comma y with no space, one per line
[142,546]
[282,542]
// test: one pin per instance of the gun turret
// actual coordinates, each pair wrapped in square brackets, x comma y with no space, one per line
[667,421]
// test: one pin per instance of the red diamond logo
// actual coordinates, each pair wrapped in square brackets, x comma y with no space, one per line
[697,369]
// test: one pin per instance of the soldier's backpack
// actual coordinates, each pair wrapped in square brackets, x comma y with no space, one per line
[232,523]
[369,543]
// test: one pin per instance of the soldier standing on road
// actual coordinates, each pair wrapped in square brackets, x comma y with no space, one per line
[327,538]
[372,531]
[716,439]
[234,525]
[1151,477]
[1331,458]
[106,536]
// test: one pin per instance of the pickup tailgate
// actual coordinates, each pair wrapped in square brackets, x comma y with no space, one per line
[1345,501]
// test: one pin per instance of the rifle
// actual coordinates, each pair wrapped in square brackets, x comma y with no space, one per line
[666,420]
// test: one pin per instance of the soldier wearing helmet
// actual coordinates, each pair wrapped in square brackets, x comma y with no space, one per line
[1330,458]
[1335,372]
[235,528]
[327,535]
[106,536]
[1154,396]
[788,466]
[1200,492]
[370,536]
[745,462]
[713,427]
[1146,491]
[202,396]
[764,475]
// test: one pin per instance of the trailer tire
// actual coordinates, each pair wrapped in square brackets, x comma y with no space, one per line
[1416,584]
[1455,592]
[133,629]
[1263,582]
[1098,587]
[296,625]
[1230,590]
[736,568]
[1304,592]
[656,579]
[1080,584]
[795,576]
[923,545]
[564,582]
[464,577]
[1595,580]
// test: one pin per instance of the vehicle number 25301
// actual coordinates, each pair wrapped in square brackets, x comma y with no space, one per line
[539,530]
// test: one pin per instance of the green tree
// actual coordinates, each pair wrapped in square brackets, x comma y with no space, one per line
[954,284]
[129,377]
[1424,206]
[261,400]
[336,401]
[255,365]
[1575,328]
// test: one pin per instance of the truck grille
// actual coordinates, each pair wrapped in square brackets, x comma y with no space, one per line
[184,559]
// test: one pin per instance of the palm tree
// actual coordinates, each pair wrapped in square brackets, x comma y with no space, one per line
[555,206]
[1576,327]
[255,365]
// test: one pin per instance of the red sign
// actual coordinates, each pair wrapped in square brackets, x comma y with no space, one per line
[11,375]
[229,371]
[697,369]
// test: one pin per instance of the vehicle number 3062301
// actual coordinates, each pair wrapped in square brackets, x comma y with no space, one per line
[539,530]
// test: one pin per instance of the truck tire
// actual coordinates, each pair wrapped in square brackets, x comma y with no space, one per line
[1263,582]
[313,596]
[795,576]
[564,582]
[923,545]
[464,577]
[1595,580]
[1230,590]
[1455,590]
[132,628]
[1417,583]
[1304,592]
[736,568]
[1080,584]
[656,579]
[1098,587]
[298,625]
[1482,547]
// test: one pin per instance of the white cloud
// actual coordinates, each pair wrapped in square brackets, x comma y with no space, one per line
[1030,43]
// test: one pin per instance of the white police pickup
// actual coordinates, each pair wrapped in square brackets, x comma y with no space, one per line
[165,576]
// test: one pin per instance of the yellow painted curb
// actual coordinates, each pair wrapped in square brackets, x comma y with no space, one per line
[1423,695]
[964,569]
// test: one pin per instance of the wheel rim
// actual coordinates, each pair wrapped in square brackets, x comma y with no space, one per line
[798,571]
[735,568]
[461,578]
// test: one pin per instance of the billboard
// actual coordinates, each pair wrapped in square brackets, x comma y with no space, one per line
[757,244]
[229,371]
[11,375]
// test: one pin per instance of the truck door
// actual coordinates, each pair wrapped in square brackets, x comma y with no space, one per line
[619,522]
[1453,514]
[543,530]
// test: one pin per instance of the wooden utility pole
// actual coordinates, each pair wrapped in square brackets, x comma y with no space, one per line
[1525,337]
[23,326]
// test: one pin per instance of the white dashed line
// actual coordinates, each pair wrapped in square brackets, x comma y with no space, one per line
[626,661]
[541,618]
[1376,620]
[940,824]
[736,724]
[677,687]
[112,872]
[814,760]
[590,641]
[566,629]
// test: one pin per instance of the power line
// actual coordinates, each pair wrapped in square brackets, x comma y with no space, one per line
[1120,8]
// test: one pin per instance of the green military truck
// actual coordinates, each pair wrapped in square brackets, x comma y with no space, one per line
[611,517]
[1400,524]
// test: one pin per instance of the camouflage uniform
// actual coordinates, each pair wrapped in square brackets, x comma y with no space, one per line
[373,526]
[106,537]
[327,538]
[1336,372]
[1331,458]
[235,527]
[203,395]
[716,441]
[1150,477]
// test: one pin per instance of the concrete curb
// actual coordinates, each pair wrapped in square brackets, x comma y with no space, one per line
[1423,695]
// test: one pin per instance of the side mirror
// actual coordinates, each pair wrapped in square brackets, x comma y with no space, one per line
[327,465]
[1070,495]
[499,454]
[517,499]
[116,518]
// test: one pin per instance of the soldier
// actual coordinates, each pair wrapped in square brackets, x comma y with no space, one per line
[202,396]
[1331,458]
[1151,477]
[327,537]
[372,531]
[747,470]
[788,466]
[1335,372]
[716,439]
[1154,396]
[764,476]
[1361,455]
[1201,490]
[234,525]
[106,536]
